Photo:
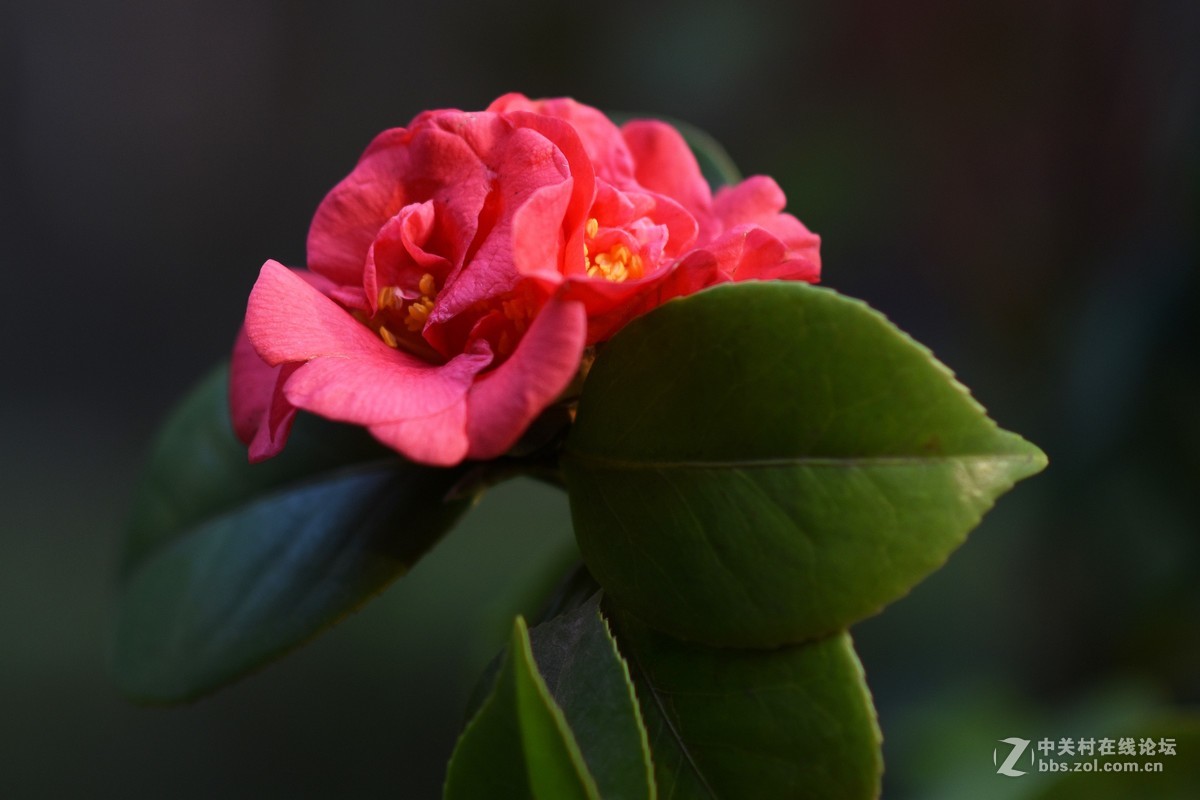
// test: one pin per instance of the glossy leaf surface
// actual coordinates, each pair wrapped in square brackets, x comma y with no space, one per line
[796,721]
[519,745]
[584,672]
[765,463]
[230,564]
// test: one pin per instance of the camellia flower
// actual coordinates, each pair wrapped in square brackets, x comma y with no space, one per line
[457,275]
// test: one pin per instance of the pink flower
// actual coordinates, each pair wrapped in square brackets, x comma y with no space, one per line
[458,273]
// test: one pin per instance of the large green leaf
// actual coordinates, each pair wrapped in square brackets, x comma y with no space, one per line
[765,463]
[198,469]
[793,722]
[519,745]
[230,564]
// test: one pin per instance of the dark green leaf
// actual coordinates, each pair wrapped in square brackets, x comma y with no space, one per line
[519,745]
[198,469]
[764,463]
[229,564]
[588,679]
[795,721]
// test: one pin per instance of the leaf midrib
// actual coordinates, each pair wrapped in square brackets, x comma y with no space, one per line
[852,462]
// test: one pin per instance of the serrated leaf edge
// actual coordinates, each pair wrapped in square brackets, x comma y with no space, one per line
[643,737]
[520,639]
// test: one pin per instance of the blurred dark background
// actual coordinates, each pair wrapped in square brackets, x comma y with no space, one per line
[1016,184]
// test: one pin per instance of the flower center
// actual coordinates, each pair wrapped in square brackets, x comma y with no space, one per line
[617,264]
[518,309]
[392,303]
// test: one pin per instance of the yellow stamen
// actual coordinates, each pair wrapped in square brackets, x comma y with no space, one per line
[389,297]
[593,227]
[418,312]
[427,286]
[388,337]
[519,310]
[618,264]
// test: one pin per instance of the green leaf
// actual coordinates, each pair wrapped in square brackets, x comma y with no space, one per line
[519,744]
[198,468]
[765,463]
[229,564]
[795,721]
[585,674]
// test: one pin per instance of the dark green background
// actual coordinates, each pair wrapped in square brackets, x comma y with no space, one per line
[1015,185]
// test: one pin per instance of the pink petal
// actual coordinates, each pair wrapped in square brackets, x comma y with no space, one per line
[437,440]
[262,417]
[350,216]
[524,162]
[538,236]
[665,164]
[601,138]
[801,243]
[382,388]
[610,305]
[349,374]
[749,201]
[543,211]
[397,256]
[289,320]
[503,402]
[400,167]
[759,201]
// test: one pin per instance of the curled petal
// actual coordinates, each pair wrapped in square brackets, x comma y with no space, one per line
[665,164]
[351,214]
[436,440]
[400,167]
[344,372]
[758,201]
[503,402]
[262,417]
[526,164]
[601,138]
[397,256]
[537,234]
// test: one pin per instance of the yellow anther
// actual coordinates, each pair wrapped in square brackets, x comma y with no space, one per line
[388,337]
[418,312]
[519,310]
[427,286]
[618,264]
[593,227]
[389,297]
